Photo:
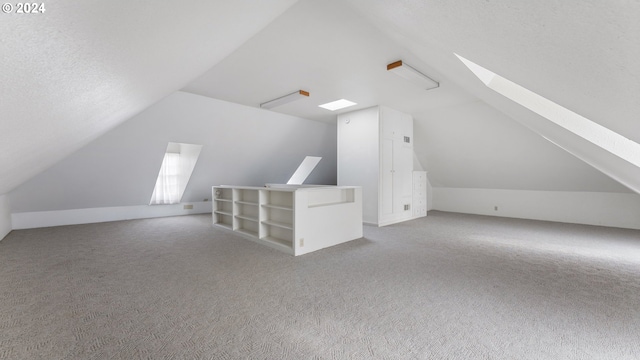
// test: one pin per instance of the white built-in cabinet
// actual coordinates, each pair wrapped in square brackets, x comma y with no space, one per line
[296,220]
[419,194]
[375,151]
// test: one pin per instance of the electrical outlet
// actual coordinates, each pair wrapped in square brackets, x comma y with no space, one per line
[187,207]
[301,242]
[495,208]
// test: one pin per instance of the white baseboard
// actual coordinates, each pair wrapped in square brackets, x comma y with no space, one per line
[591,208]
[37,219]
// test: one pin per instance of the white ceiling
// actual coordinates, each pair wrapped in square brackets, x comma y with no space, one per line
[326,48]
[84,67]
[337,49]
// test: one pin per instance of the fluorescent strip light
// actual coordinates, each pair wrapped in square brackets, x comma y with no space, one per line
[401,69]
[285,99]
[337,105]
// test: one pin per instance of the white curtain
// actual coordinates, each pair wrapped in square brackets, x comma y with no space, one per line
[167,190]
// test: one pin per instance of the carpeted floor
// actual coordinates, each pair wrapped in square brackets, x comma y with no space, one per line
[448,286]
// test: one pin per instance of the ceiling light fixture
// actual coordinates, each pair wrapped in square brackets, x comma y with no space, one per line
[413,75]
[337,105]
[285,99]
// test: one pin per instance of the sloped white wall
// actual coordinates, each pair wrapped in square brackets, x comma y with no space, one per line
[476,146]
[5,216]
[241,146]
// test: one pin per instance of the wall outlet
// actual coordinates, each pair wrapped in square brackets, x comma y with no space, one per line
[187,207]
[495,208]
[205,200]
[301,242]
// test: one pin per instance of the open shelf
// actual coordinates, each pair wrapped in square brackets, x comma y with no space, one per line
[221,212]
[248,232]
[223,219]
[246,217]
[222,194]
[279,199]
[278,241]
[247,225]
[226,226]
[279,224]
[246,203]
[278,207]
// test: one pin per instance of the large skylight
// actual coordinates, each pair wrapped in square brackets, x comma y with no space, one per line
[597,134]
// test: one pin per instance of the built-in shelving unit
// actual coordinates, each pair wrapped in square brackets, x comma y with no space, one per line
[223,208]
[246,210]
[293,219]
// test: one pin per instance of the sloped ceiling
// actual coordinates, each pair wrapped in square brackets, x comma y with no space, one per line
[465,135]
[82,67]
[581,55]
[330,50]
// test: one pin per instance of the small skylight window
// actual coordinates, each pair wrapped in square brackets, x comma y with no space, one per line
[176,169]
[337,105]
[591,131]
[304,170]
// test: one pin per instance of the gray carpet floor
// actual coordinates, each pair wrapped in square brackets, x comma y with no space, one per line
[448,286]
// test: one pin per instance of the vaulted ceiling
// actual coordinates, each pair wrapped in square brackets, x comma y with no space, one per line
[78,70]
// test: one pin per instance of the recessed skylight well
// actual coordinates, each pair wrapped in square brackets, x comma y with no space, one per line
[337,105]
[589,130]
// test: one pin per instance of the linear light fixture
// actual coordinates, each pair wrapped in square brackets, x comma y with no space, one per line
[337,105]
[285,99]
[413,75]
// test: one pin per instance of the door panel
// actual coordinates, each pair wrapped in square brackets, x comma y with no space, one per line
[387,177]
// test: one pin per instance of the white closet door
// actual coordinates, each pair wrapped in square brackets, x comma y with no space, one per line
[402,177]
[387,181]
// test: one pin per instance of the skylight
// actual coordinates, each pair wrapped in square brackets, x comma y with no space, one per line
[304,170]
[597,134]
[337,105]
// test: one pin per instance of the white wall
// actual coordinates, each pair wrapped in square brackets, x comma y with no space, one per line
[359,159]
[5,216]
[592,208]
[36,219]
[476,146]
[241,146]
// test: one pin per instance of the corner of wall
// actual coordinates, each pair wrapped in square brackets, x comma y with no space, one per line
[5,217]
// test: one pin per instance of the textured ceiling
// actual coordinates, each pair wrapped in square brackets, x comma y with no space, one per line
[339,49]
[328,49]
[82,67]
[581,55]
